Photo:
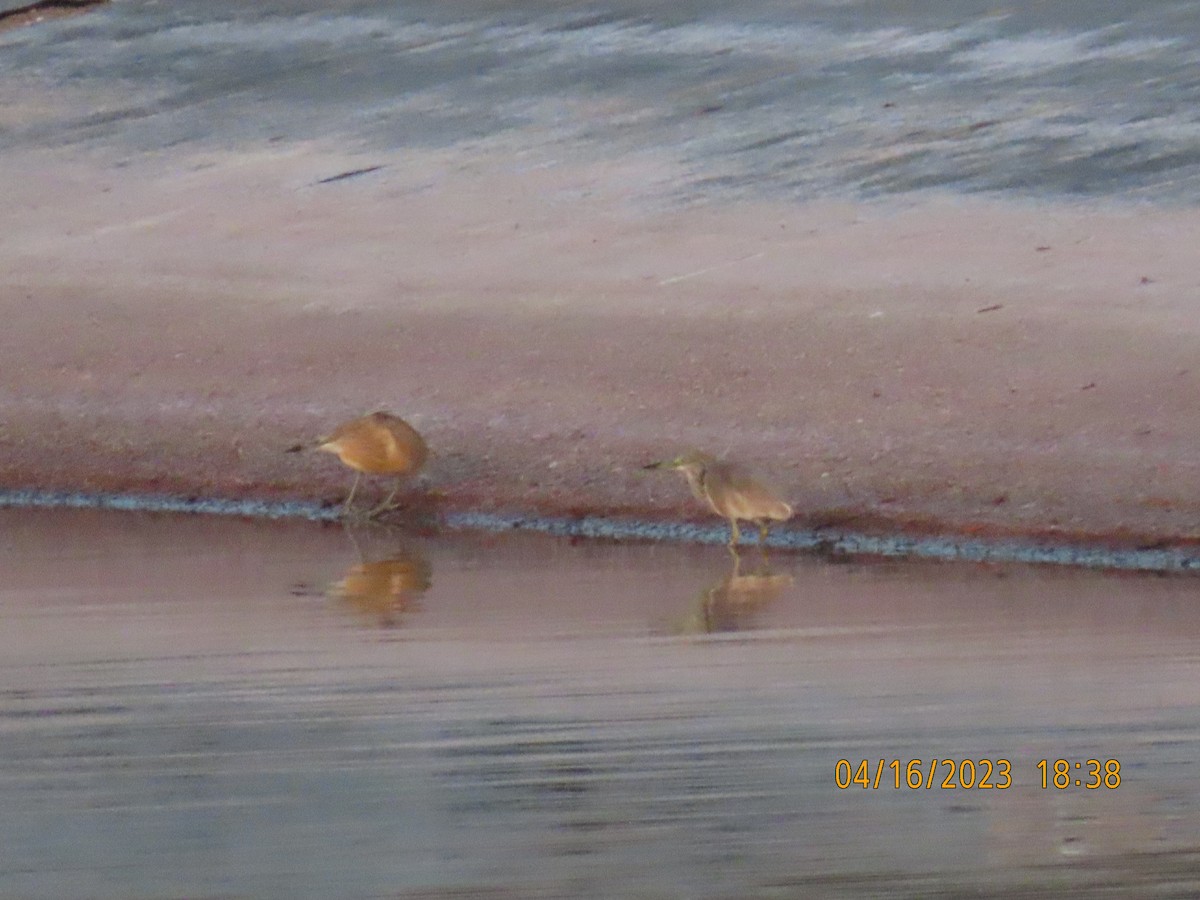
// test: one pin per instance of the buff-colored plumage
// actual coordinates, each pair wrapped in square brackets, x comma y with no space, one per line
[729,491]
[378,444]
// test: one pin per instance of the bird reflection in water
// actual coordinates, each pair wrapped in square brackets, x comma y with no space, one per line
[731,603]
[384,590]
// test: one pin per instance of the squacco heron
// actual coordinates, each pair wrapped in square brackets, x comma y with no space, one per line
[378,444]
[729,492]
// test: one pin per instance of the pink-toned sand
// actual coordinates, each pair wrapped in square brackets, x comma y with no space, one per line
[173,323]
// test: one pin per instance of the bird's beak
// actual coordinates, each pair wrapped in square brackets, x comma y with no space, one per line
[655,465]
[318,444]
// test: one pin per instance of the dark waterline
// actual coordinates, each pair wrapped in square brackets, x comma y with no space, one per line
[828,541]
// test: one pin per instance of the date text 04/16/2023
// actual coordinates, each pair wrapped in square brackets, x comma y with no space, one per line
[973,774]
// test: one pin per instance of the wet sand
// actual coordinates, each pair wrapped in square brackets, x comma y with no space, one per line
[254,713]
[172,325]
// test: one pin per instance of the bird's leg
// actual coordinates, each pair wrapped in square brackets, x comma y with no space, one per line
[387,503]
[762,540]
[348,526]
[734,534]
[350,496]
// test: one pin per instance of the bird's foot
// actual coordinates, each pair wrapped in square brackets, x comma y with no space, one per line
[385,507]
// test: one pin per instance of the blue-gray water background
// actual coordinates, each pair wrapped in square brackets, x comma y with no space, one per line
[756,99]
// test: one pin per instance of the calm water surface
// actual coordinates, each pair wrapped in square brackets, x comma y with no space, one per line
[202,707]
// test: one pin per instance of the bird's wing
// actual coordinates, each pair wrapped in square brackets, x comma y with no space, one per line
[754,500]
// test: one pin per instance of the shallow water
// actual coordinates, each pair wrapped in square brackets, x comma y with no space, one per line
[198,706]
[756,99]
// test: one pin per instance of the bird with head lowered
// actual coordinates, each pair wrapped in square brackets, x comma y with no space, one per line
[378,443]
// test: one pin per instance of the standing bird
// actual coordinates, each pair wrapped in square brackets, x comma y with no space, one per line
[378,443]
[729,492]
